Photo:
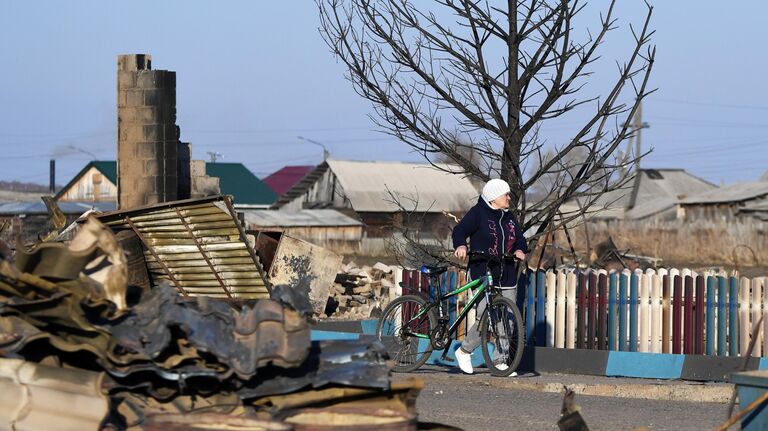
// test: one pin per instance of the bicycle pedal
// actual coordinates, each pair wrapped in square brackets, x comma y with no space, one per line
[445,358]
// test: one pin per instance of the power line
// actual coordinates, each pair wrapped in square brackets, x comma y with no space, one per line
[719,105]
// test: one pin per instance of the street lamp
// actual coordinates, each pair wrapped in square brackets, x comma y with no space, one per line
[312,141]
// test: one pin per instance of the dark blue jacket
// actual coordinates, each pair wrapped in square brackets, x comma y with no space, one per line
[495,232]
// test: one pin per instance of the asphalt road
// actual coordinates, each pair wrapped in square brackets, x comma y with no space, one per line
[474,405]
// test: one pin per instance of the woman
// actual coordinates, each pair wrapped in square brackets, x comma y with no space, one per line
[493,229]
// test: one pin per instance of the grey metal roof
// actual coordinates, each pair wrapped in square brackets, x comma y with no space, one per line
[14,196]
[367,186]
[737,192]
[38,207]
[301,218]
[655,184]
[651,208]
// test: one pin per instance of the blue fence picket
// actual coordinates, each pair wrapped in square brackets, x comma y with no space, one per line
[612,309]
[530,310]
[623,312]
[541,322]
[733,317]
[633,279]
[709,331]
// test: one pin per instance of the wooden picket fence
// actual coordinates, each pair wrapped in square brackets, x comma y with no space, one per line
[661,311]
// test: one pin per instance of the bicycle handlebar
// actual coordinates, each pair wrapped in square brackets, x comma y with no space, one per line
[492,257]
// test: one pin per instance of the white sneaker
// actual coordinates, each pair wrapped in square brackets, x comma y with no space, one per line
[465,361]
[502,367]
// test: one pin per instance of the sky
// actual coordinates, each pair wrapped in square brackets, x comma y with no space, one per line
[254,76]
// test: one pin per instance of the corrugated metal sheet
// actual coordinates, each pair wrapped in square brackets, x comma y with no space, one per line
[196,245]
[733,193]
[301,218]
[38,207]
[367,186]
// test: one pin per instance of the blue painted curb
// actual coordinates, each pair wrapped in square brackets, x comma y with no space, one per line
[645,365]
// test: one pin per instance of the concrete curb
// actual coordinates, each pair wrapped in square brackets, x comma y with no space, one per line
[647,390]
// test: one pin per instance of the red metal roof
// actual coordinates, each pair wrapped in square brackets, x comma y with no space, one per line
[282,180]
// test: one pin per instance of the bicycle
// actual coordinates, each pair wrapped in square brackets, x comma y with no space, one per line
[412,322]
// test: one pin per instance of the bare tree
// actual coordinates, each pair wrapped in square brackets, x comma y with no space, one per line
[452,75]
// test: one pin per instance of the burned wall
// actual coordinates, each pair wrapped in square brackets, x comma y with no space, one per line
[148,141]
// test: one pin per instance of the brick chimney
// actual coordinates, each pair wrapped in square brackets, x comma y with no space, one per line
[147,136]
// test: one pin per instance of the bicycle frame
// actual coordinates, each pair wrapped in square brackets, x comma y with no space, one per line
[482,282]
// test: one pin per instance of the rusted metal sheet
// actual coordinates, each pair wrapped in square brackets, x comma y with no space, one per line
[352,418]
[197,246]
[301,265]
[210,421]
[37,397]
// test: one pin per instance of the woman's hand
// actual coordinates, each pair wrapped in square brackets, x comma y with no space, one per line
[461,252]
[519,255]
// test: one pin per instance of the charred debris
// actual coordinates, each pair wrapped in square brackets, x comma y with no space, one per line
[162,317]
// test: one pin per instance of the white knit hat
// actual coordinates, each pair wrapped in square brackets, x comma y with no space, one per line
[494,188]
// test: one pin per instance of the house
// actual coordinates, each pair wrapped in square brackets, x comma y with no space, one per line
[651,194]
[97,182]
[377,193]
[726,203]
[324,227]
[29,219]
[282,180]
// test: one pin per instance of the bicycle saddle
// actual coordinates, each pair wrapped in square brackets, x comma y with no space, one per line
[433,270]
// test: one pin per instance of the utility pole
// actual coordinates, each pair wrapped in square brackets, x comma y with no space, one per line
[638,125]
[214,155]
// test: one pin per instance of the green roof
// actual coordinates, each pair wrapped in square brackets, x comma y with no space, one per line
[238,181]
[234,179]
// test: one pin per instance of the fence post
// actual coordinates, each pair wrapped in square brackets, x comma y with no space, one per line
[560,310]
[733,316]
[666,303]
[623,281]
[633,303]
[722,316]
[602,318]
[540,330]
[570,334]
[592,311]
[709,332]
[688,314]
[744,326]
[677,294]
[581,310]
[644,321]
[549,308]
[757,309]
[655,313]
[612,310]
[765,310]
[530,307]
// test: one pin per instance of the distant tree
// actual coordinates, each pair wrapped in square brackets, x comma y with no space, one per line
[456,79]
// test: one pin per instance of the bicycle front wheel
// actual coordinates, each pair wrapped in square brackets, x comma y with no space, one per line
[502,336]
[404,329]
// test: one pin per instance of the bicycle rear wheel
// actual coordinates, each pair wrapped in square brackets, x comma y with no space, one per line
[405,333]
[502,336]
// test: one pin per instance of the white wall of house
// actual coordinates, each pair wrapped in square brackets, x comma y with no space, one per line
[91,187]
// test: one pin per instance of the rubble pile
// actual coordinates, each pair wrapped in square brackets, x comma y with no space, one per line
[361,292]
[161,353]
